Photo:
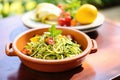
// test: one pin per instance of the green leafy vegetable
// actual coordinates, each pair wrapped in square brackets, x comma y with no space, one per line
[54,32]
[72,6]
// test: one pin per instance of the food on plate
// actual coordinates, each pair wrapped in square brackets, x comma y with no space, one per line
[61,15]
[65,19]
[52,45]
[46,12]
[86,14]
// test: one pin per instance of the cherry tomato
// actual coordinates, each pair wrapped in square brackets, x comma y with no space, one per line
[61,21]
[69,36]
[65,19]
[49,41]
[24,51]
[67,14]
[68,20]
[61,7]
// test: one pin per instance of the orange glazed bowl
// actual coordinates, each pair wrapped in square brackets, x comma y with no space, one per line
[87,45]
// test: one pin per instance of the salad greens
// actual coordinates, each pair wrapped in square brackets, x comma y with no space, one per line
[70,6]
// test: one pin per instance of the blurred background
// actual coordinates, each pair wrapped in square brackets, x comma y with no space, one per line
[16,7]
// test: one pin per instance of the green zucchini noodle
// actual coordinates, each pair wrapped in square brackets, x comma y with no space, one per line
[63,47]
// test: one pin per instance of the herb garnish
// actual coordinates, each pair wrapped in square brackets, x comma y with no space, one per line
[54,32]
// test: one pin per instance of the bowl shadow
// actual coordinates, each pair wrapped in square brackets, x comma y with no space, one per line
[78,73]
[38,75]
[93,34]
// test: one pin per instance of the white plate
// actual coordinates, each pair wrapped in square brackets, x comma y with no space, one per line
[28,22]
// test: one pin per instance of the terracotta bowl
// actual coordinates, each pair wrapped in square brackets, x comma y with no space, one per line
[88,46]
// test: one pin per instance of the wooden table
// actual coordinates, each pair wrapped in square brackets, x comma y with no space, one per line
[102,65]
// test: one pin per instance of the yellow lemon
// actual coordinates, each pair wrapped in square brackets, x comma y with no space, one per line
[86,14]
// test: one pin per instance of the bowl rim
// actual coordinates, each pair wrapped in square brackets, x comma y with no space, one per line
[28,58]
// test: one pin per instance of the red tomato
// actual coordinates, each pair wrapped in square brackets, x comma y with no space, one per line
[69,36]
[61,7]
[67,14]
[61,21]
[49,41]
[25,51]
[65,19]
[68,20]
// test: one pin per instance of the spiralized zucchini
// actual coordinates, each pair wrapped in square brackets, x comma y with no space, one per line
[63,47]
[52,45]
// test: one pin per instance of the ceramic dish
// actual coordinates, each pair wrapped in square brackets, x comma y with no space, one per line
[28,22]
[87,45]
